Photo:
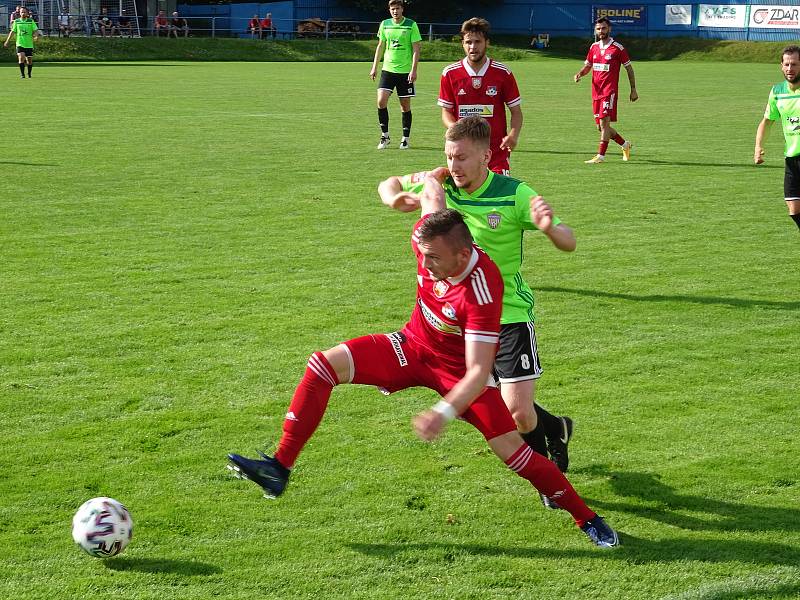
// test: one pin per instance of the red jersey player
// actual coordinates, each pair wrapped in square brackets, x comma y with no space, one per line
[604,60]
[480,86]
[449,346]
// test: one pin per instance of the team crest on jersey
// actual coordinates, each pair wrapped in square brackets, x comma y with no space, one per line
[607,57]
[476,83]
[440,288]
[493,218]
[491,90]
[448,311]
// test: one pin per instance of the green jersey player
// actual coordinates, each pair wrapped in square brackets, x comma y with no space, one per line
[400,38]
[25,30]
[784,105]
[498,210]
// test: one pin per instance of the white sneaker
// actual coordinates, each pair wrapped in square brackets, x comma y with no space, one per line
[384,143]
[596,160]
[404,144]
[626,151]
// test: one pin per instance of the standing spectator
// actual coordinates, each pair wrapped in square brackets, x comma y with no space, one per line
[160,24]
[402,40]
[14,16]
[784,105]
[604,60]
[267,28]
[124,24]
[64,24]
[254,27]
[25,30]
[478,85]
[178,24]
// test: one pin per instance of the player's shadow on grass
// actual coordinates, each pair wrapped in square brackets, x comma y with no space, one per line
[107,64]
[657,501]
[735,302]
[26,164]
[633,550]
[161,565]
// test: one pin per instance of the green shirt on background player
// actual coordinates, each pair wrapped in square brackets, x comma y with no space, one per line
[498,213]
[783,105]
[398,39]
[24,30]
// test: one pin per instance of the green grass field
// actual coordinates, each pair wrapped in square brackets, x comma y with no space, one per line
[177,238]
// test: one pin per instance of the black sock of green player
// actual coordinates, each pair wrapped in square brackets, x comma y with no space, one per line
[22,69]
[549,423]
[796,219]
[406,124]
[535,439]
[30,66]
[383,119]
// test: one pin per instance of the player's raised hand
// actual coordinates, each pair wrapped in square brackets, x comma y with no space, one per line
[428,425]
[541,214]
[758,155]
[405,202]
[440,174]
[432,197]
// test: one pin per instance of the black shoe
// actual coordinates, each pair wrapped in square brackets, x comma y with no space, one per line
[557,447]
[600,533]
[271,475]
[549,502]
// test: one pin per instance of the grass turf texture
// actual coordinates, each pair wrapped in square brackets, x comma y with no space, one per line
[177,238]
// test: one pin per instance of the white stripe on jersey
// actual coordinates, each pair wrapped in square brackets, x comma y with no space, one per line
[515,102]
[480,287]
[618,45]
[501,66]
[522,460]
[449,68]
[444,103]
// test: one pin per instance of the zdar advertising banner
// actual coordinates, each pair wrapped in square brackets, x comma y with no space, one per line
[775,17]
[622,14]
[722,15]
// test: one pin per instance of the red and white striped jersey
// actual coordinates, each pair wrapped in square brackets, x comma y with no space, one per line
[455,310]
[606,62]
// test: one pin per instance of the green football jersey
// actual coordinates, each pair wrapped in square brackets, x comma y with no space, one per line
[398,38]
[23,29]
[498,213]
[784,105]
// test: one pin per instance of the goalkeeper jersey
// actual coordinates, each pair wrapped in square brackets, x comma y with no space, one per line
[498,214]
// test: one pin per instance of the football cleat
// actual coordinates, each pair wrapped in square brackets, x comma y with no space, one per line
[271,475]
[557,447]
[403,144]
[595,160]
[600,533]
[384,143]
[549,503]
[626,151]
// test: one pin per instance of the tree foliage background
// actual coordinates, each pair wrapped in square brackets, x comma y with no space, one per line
[426,11]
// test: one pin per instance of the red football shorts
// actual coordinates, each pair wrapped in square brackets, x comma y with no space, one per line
[499,163]
[393,362]
[605,107]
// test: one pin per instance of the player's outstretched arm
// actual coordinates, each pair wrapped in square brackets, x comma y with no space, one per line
[542,216]
[762,133]
[392,195]
[479,358]
[632,81]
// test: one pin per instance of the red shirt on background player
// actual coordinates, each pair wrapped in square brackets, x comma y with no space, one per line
[478,85]
[604,60]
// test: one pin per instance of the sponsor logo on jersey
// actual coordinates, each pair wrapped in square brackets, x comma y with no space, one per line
[461,92]
[493,218]
[491,90]
[448,311]
[440,288]
[600,67]
[395,44]
[396,339]
[481,110]
[477,82]
[436,322]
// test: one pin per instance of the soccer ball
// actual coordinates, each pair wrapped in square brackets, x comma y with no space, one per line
[102,527]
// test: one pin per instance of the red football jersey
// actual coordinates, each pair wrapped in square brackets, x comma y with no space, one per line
[457,309]
[606,62]
[485,93]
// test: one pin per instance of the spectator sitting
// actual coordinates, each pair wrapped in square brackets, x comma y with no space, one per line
[64,24]
[107,25]
[254,27]
[177,24]
[267,28]
[124,25]
[160,24]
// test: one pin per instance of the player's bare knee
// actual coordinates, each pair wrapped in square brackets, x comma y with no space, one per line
[339,359]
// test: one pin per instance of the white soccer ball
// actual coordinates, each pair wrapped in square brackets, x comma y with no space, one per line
[102,527]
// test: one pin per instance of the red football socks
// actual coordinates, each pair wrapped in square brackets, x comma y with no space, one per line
[602,148]
[619,139]
[548,480]
[306,409]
